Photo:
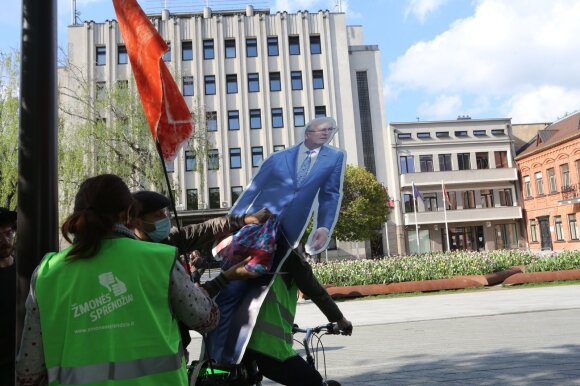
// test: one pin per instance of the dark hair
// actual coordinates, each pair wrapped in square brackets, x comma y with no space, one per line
[98,204]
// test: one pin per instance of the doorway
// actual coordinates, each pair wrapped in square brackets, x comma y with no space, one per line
[545,234]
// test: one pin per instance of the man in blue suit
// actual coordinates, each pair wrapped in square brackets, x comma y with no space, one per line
[294,183]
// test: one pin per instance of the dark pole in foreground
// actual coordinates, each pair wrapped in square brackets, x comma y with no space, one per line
[37,153]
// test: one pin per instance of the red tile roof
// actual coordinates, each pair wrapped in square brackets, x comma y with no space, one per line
[557,132]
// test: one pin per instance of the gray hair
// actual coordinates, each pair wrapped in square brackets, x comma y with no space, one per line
[319,121]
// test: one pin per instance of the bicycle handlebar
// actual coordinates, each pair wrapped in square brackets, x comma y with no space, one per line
[329,328]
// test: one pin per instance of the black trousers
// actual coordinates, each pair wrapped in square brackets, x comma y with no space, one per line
[294,371]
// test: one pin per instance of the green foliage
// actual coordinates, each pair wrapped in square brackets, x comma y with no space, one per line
[9,128]
[364,206]
[556,262]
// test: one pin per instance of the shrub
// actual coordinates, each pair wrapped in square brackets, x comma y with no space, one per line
[556,262]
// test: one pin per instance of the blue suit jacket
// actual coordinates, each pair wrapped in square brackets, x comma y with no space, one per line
[274,187]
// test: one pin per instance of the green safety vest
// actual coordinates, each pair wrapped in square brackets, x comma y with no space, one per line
[272,333]
[106,321]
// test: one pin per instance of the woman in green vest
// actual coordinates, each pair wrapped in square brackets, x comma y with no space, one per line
[104,311]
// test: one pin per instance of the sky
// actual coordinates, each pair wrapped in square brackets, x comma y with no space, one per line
[440,59]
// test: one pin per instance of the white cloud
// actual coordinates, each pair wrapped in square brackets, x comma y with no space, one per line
[542,104]
[422,8]
[444,107]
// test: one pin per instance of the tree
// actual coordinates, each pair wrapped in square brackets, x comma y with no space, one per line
[9,125]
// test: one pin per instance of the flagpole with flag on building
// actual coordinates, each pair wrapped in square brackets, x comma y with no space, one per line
[416,194]
[445,201]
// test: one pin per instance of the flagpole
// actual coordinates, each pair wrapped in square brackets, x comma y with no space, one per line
[445,214]
[171,197]
[416,224]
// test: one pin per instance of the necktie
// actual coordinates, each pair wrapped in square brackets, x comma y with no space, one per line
[303,172]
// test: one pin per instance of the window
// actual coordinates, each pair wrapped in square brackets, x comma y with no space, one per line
[506,236]
[442,134]
[423,135]
[257,156]
[426,163]
[468,198]
[319,111]
[294,45]
[552,180]
[539,184]
[315,47]
[122,56]
[573,226]
[232,84]
[461,134]
[230,48]
[479,133]
[407,164]
[505,197]
[445,162]
[498,132]
[235,158]
[317,79]
[255,119]
[299,120]
[404,135]
[463,161]
[253,82]
[501,160]
[565,173]
[408,203]
[578,171]
[192,199]
[277,118]
[482,160]
[187,85]
[101,56]
[273,46]
[275,84]
[236,193]
[559,228]
[208,51]
[233,120]
[211,120]
[167,54]
[251,48]
[527,187]
[214,198]
[186,51]
[209,84]
[189,161]
[296,77]
[431,203]
[533,231]
[486,198]
[101,90]
[452,202]
[122,85]
[213,162]
[278,148]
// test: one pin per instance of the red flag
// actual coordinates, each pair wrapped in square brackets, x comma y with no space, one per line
[166,111]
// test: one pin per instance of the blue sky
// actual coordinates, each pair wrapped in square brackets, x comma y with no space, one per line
[440,58]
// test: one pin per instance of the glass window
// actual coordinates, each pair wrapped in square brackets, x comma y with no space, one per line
[479,133]
[277,118]
[319,111]
[187,85]
[559,228]
[296,77]
[426,163]
[257,156]
[506,236]
[214,198]
[565,173]
[230,47]
[317,79]
[253,82]
[236,193]
[461,133]
[573,226]
[278,148]
[407,164]
[552,180]
[255,119]
[167,54]
[186,51]
[299,120]
[463,161]
[408,203]
[209,81]
[468,198]
[482,160]
[315,47]
[122,56]
[273,46]
[533,231]
[404,135]
[235,158]
[501,160]
[101,58]
[431,203]
[578,171]
[442,134]
[423,135]
[275,84]
[452,201]
[445,162]
[233,120]
[231,84]
[294,45]
[213,162]
[539,184]
[251,48]
[208,50]
[192,199]
[486,198]
[189,161]
[211,120]
[424,241]
[505,197]
[527,187]
[498,132]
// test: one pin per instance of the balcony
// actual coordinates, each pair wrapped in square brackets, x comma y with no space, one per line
[570,195]
[464,177]
[465,215]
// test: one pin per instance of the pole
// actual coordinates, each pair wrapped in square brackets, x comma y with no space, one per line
[171,197]
[416,224]
[445,214]
[387,237]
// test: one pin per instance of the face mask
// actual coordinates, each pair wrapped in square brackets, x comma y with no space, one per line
[161,231]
